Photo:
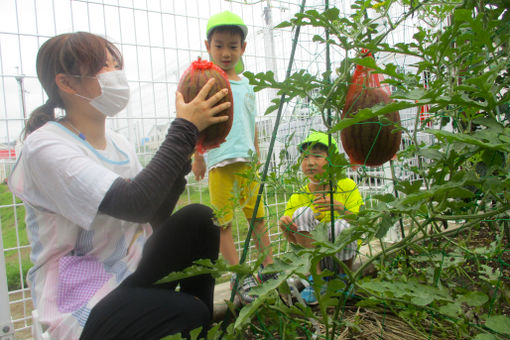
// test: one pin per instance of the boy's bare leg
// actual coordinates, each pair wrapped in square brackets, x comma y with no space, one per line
[262,241]
[227,246]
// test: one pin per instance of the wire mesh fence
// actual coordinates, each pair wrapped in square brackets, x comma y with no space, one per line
[159,39]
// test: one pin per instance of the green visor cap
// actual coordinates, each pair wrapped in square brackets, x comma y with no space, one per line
[228,18]
[319,137]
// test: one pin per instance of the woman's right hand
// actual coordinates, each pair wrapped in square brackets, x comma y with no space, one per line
[201,112]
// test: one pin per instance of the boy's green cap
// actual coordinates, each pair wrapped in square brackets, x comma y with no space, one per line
[228,18]
[319,137]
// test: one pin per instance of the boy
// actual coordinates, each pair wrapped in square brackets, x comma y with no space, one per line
[311,206]
[226,33]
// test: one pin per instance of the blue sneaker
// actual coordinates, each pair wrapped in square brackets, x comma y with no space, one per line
[308,293]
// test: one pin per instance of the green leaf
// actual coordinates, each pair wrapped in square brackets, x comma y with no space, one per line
[462,15]
[370,302]
[467,139]
[460,192]
[367,62]
[332,14]
[474,299]
[408,187]
[284,24]
[430,154]
[247,312]
[385,224]
[387,198]
[451,309]
[485,336]
[416,197]
[499,323]
[173,337]
[422,300]
[365,114]
[414,94]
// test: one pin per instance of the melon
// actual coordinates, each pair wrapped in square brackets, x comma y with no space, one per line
[192,80]
[371,142]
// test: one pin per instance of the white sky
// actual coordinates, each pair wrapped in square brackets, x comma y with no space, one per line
[158,38]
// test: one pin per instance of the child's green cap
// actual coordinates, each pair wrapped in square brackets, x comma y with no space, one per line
[321,138]
[228,18]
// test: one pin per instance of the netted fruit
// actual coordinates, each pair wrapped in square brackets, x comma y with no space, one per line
[371,142]
[192,80]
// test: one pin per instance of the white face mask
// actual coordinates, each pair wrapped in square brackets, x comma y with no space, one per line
[114,95]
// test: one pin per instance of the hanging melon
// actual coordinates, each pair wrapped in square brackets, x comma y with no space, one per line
[192,80]
[372,142]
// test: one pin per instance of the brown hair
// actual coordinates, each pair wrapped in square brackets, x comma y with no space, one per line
[80,53]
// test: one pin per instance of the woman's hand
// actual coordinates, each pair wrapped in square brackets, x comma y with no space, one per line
[201,112]
[323,204]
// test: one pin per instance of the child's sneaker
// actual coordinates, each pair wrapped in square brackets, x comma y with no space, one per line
[243,288]
[308,293]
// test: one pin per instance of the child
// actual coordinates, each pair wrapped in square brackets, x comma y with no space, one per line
[226,34]
[311,206]
[89,204]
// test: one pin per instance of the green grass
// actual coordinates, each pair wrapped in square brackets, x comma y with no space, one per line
[12,214]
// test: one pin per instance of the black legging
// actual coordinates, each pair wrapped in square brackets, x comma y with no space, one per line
[138,309]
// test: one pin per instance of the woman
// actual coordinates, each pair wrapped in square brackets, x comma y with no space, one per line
[91,209]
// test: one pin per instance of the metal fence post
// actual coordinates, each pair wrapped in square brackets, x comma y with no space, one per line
[6,326]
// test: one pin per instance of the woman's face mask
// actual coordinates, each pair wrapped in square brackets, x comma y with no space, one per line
[114,95]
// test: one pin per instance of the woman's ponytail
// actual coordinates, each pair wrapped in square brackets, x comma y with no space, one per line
[39,117]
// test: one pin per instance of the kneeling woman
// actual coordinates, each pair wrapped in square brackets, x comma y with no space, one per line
[101,228]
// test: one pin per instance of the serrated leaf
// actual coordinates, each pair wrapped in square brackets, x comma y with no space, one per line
[430,154]
[367,62]
[385,224]
[467,139]
[332,13]
[408,187]
[387,198]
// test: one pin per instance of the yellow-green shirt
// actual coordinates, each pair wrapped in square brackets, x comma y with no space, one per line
[346,192]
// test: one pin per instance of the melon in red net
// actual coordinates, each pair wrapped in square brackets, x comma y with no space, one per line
[192,80]
[371,142]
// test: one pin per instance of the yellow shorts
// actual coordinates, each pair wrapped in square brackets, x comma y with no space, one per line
[228,189]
